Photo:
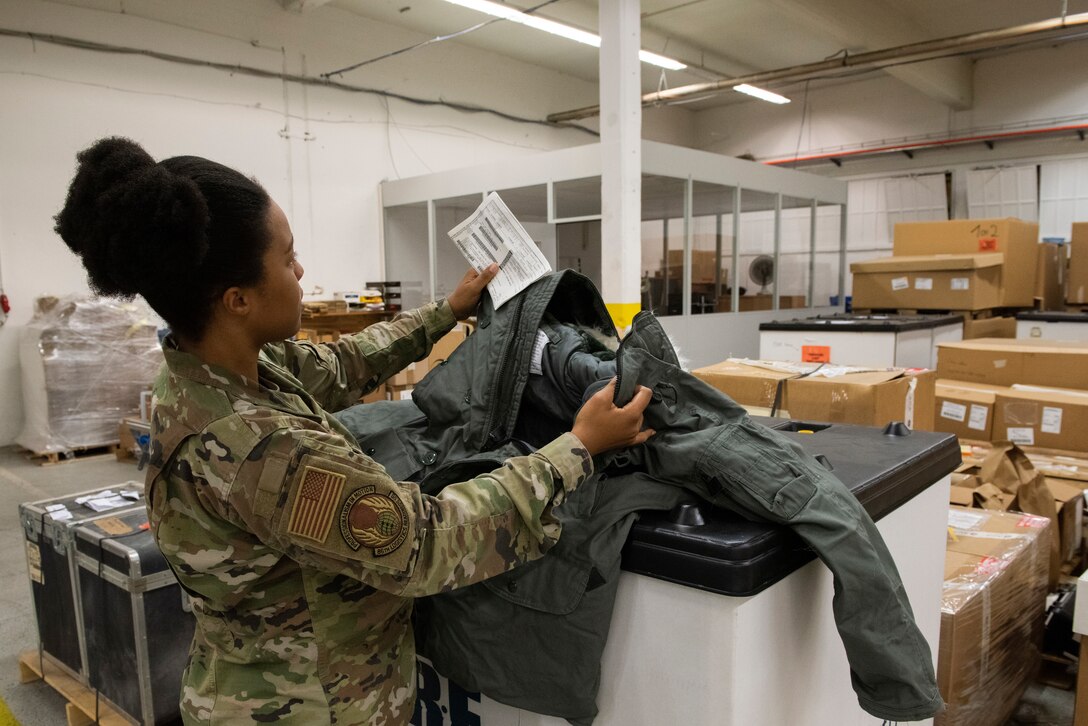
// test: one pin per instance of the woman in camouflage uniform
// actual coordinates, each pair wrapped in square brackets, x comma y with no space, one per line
[300,553]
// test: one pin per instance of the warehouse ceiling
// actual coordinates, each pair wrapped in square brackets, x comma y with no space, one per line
[728,38]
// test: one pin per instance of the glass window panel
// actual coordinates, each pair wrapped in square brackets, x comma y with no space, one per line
[825,280]
[662,244]
[529,204]
[450,265]
[578,247]
[825,285]
[711,246]
[577,197]
[406,258]
[756,242]
[794,252]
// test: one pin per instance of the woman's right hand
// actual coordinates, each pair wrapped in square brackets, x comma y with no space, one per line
[601,425]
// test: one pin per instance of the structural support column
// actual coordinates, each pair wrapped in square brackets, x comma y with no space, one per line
[621,158]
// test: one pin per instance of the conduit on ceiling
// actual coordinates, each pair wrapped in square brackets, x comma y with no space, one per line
[908,148]
[1068,28]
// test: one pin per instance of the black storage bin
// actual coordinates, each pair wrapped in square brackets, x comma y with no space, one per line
[51,564]
[138,622]
[712,549]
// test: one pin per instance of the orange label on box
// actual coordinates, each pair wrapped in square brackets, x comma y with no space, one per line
[1030,520]
[816,353]
[987,244]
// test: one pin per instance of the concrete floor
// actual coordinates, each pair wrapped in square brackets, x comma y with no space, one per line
[36,704]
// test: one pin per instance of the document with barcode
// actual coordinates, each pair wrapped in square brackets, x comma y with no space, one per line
[493,234]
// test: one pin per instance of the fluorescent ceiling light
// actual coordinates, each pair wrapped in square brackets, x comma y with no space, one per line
[760,93]
[550,26]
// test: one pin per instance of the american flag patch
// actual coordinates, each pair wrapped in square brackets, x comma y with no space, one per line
[315,503]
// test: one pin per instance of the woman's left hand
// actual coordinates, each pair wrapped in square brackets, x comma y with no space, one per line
[466,297]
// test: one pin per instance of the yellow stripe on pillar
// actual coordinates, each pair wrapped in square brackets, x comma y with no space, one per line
[623,313]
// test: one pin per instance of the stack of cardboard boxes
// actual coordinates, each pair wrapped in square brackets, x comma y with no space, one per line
[399,387]
[1076,284]
[1029,392]
[974,266]
[835,394]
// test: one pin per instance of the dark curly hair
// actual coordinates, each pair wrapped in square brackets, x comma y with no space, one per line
[179,232]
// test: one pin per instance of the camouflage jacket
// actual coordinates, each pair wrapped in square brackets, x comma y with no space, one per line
[301,554]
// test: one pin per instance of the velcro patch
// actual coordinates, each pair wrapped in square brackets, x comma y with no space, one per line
[370,519]
[315,503]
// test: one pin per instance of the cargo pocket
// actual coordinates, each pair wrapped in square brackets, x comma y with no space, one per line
[550,585]
[764,465]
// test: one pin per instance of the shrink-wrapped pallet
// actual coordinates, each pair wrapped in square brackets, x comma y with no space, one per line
[84,363]
[992,613]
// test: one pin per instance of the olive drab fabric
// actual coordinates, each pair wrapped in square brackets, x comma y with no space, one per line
[540,356]
[300,553]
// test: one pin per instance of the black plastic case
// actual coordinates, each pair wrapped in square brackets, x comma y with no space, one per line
[138,622]
[51,565]
[703,546]
[860,323]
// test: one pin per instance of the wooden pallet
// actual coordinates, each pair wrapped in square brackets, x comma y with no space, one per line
[80,706]
[85,453]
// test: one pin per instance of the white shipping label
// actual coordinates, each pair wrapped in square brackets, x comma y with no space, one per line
[964,520]
[977,420]
[961,283]
[34,562]
[908,406]
[954,411]
[406,395]
[923,283]
[1021,435]
[1052,420]
[900,283]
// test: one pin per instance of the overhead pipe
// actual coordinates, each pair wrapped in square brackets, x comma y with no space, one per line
[1069,27]
[912,146]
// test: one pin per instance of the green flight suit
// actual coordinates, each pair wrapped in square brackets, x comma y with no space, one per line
[301,554]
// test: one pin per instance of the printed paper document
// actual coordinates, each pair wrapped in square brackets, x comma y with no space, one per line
[493,234]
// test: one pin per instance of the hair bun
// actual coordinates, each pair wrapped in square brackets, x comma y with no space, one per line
[132,221]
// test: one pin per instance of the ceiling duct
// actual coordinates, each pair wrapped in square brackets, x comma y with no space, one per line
[1070,27]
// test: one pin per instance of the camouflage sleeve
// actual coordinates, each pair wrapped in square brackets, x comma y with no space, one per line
[324,504]
[337,374]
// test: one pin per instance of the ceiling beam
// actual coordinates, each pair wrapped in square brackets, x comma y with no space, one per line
[858,26]
[303,6]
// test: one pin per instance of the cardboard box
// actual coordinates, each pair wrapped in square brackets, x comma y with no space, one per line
[929,282]
[1002,362]
[134,437]
[398,393]
[1050,277]
[1037,416]
[965,409]
[1016,240]
[702,265]
[410,375]
[1069,503]
[860,396]
[992,607]
[1076,282]
[442,349]
[378,394]
[989,328]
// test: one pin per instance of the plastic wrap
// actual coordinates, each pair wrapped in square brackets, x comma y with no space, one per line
[992,613]
[84,363]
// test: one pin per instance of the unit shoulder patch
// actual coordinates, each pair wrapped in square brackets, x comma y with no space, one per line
[374,520]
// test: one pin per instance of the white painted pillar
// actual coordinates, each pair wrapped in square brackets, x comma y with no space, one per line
[621,158]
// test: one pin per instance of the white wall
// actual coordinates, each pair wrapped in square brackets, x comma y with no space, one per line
[56,100]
